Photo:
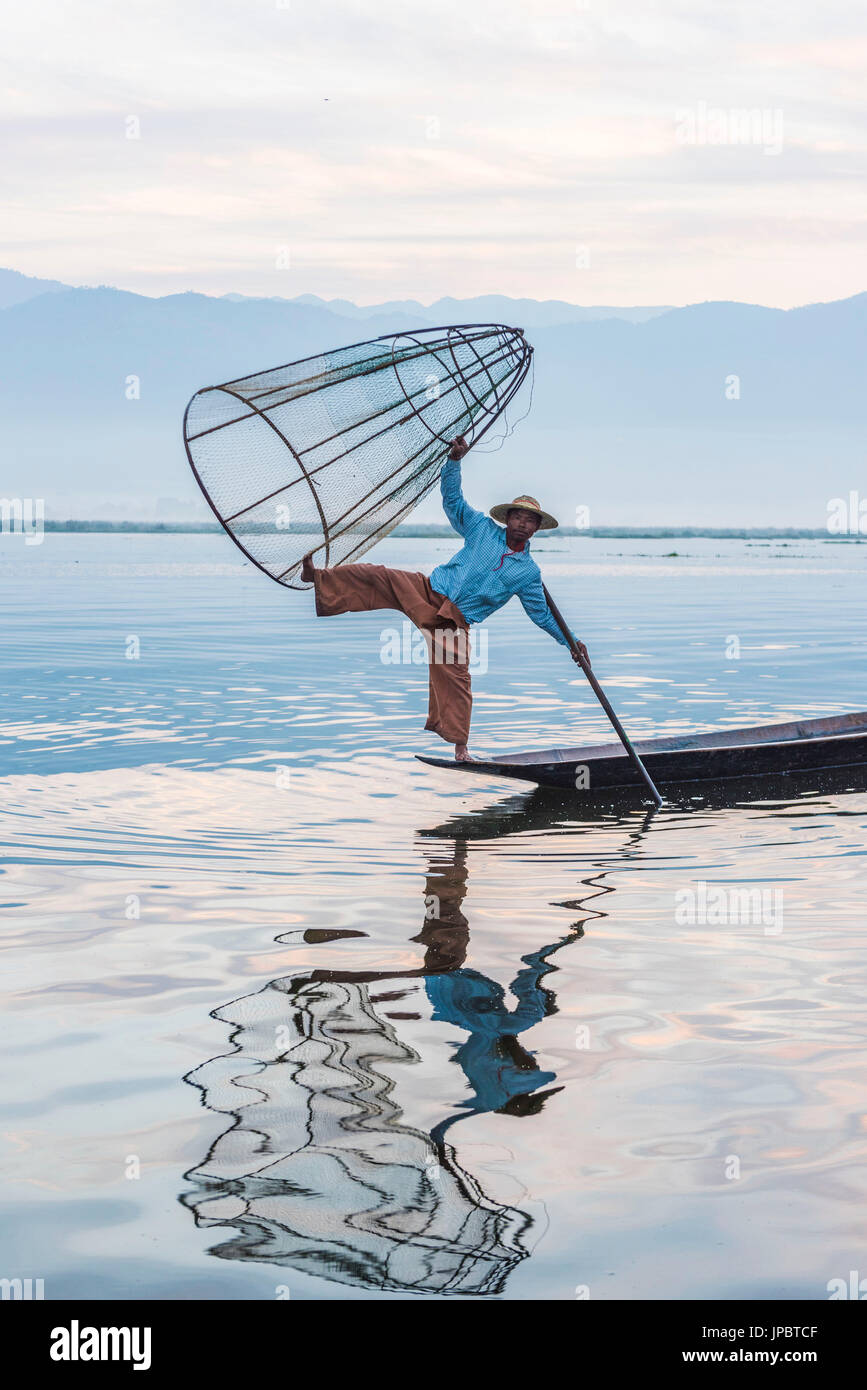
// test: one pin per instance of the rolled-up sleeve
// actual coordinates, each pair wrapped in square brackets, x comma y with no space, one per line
[459,512]
[536,608]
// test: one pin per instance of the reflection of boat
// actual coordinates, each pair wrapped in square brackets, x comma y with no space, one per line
[543,808]
[802,746]
[559,808]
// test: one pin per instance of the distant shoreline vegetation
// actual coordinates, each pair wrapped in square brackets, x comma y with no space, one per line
[438,532]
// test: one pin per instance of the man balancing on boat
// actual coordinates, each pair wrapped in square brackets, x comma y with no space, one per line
[494,564]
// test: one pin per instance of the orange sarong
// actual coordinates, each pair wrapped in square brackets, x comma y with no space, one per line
[362,588]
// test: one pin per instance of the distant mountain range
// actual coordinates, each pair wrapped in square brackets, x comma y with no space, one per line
[717,414]
[15,287]
[487,308]
[491,308]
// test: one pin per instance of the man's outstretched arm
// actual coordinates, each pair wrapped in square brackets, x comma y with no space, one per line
[456,507]
[536,607]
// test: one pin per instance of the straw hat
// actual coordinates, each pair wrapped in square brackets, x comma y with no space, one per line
[527,504]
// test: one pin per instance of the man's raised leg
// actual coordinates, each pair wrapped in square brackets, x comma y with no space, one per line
[363,588]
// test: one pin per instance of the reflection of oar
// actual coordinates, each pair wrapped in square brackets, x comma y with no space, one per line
[603,699]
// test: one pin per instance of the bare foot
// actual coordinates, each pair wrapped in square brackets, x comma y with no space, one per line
[308,569]
[462,753]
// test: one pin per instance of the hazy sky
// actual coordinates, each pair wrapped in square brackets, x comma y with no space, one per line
[600,153]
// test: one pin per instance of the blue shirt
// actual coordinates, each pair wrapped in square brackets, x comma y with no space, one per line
[486,573]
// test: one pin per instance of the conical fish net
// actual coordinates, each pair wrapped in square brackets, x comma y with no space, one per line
[330,453]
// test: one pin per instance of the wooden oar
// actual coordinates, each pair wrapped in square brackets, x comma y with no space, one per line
[603,699]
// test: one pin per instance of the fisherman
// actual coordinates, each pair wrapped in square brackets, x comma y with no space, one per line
[493,565]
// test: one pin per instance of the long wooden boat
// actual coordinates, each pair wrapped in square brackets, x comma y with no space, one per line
[768,750]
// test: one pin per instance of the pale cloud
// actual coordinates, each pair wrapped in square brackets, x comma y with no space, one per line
[405,151]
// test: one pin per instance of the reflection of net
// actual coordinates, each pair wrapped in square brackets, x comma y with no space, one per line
[330,453]
[318,1173]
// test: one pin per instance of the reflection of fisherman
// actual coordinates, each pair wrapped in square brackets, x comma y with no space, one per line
[504,1076]
[501,1072]
[318,1169]
[494,564]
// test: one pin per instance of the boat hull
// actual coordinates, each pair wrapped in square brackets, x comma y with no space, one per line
[763,751]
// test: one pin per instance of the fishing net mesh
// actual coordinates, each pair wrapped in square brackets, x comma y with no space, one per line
[330,453]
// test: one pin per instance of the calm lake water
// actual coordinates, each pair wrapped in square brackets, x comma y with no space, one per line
[290,1014]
